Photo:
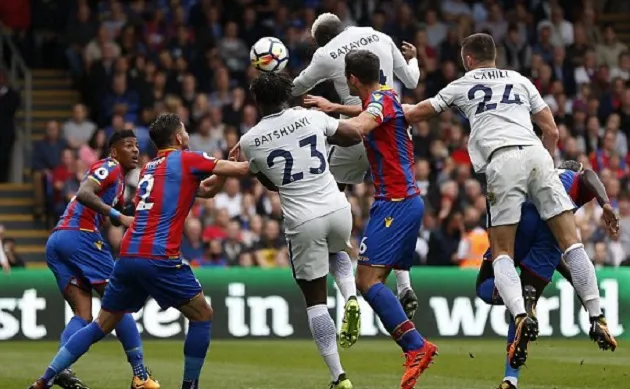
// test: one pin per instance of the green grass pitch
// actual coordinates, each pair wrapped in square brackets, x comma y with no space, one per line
[371,364]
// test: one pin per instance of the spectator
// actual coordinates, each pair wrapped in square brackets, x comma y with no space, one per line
[60,175]
[453,9]
[193,247]
[13,258]
[80,30]
[94,50]
[436,30]
[233,49]
[586,73]
[231,198]
[95,148]
[563,71]
[516,50]
[496,24]
[474,243]
[233,245]
[218,229]
[202,140]
[4,261]
[562,28]
[444,241]
[270,250]
[121,100]
[9,103]
[577,50]
[46,157]
[622,70]
[610,49]
[545,45]
[78,130]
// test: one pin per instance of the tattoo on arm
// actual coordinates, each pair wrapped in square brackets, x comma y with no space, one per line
[88,197]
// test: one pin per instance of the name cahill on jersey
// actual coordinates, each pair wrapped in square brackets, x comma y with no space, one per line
[284,131]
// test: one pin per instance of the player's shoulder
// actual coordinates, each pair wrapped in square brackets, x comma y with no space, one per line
[385,96]
[109,165]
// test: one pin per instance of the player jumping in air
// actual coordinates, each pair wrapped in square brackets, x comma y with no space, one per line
[349,164]
[286,151]
[537,253]
[81,260]
[396,215]
[500,105]
[150,262]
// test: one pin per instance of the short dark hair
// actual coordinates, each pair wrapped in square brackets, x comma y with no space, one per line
[326,30]
[163,128]
[364,65]
[120,135]
[272,89]
[480,46]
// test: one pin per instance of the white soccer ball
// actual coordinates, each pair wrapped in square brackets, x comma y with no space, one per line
[269,54]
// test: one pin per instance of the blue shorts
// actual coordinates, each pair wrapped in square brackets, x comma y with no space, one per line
[169,281]
[535,248]
[391,234]
[79,258]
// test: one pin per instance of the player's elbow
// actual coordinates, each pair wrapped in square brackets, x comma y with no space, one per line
[349,135]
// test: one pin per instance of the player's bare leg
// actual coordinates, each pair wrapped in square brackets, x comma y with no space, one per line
[406,295]
[129,338]
[508,285]
[583,276]
[419,352]
[199,313]
[323,329]
[341,270]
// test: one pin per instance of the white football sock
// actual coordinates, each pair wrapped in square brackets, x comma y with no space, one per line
[512,380]
[325,336]
[340,267]
[584,278]
[508,284]
[403,281]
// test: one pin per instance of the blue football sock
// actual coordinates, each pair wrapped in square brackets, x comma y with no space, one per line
[195,350]
[129,337]
[488,293]
[510,372]
[75,324]
[73,349]
[388,308]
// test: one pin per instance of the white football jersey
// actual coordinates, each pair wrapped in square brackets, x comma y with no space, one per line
[289,148]
[328,63]
[499,104]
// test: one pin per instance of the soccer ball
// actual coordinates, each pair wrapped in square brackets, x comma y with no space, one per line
[269,55]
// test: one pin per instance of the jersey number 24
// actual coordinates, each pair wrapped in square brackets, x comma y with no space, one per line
[288,176]
[485,105]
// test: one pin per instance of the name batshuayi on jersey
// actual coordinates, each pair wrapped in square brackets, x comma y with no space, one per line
[109,175]
[289,148]
[498,104]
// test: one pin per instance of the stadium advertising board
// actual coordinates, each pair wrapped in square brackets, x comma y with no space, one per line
[257,303]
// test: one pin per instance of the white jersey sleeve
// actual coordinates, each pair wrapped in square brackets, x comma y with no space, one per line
[327,123]
[446,98]
[536,101]
[317,71]
[407,73]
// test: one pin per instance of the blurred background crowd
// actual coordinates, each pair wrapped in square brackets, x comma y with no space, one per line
[135,59]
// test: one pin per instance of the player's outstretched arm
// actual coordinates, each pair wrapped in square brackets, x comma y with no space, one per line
[231,168]
[365,122]
[324,105]
[590,183]
[406,64]
[347,134]
[87,196]
[211,186]
[419,112]
[544,120]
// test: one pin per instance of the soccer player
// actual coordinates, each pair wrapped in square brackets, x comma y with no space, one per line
[286,152]
[537,253]
[500,105]
[81,260]
[150,262]
[349,164]
[396,215]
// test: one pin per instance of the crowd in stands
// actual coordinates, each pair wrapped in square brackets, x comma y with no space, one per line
[134,60]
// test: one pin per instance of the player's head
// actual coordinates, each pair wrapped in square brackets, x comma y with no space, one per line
[478,50]
[572,165]
[272,92]
[123,147]
[363,70]
[168,131]
[325,28]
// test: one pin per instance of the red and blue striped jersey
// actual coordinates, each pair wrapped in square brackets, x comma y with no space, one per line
[389,147]
[579,195]
[109,174]
[166,192]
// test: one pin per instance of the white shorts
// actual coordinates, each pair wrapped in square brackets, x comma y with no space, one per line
[310,243]
[348,164]
[518,173]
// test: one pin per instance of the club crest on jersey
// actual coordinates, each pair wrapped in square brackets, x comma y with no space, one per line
[99,245]
[491,198]
[388,221]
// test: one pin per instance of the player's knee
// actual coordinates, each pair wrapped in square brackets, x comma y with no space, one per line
[563,229]
[85,315]
[368,276]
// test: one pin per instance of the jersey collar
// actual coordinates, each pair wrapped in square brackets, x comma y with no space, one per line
[164,152]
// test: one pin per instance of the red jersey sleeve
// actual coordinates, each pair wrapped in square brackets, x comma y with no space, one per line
[198,163]
[380,107]
[105,173]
